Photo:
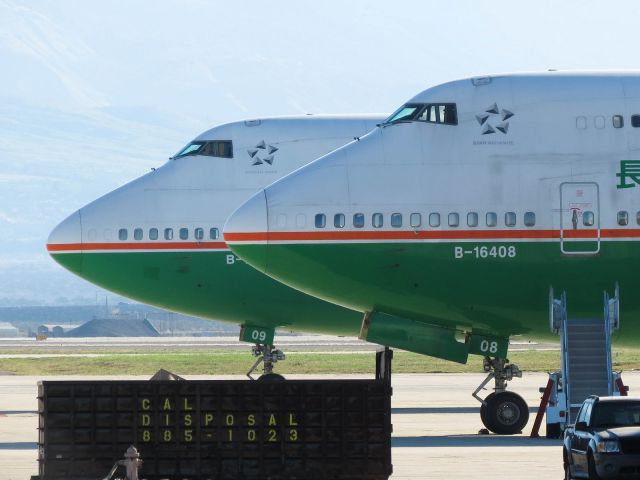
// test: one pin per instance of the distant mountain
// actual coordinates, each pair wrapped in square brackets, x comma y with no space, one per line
[165,322]
[114,327]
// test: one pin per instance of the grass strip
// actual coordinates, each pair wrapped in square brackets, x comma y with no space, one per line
[237,363]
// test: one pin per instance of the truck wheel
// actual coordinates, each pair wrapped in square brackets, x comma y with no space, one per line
[566,465]
[553,430]
[591,465]
[506,413]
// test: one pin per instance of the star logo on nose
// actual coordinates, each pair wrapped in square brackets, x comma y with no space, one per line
[490,116]
[262,153]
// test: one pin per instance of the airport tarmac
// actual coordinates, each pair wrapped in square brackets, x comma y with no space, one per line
[435,430]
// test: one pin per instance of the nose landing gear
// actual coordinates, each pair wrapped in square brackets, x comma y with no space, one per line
[268,355]
[502,412]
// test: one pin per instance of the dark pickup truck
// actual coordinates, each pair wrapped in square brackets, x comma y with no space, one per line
[605,440]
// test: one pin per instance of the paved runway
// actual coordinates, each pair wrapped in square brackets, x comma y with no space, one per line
[435,425]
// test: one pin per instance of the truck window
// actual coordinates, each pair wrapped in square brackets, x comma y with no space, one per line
[587,413]
[583,412]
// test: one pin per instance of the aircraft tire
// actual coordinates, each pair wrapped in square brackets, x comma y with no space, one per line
[271,377]
[483,409]
[506,413]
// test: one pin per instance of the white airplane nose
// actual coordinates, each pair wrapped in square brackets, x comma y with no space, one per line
[67,235]
[247,231]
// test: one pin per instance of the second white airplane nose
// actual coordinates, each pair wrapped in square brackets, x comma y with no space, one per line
[247,231]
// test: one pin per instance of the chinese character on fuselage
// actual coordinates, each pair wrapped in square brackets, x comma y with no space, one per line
[629,170]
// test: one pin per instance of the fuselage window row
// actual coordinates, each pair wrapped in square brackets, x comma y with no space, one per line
[183,234]
[415,220]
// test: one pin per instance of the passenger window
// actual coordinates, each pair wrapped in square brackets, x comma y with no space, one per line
[529,219]
[492,219]
[415,220]
[472,219]
[199,234]
[213,234]
[338,220]
[588,218]
[358,220]
[510,219]
[168,233]
[635,121]
[377,220]
[599,122]
[137,234]
[396,220]
[153,234]
[638,218]
[434,219]
[618,121]
[321,220]
[454,219]
[123,234]
[623,218]
[183,233]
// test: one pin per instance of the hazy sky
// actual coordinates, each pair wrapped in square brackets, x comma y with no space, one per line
[93,94]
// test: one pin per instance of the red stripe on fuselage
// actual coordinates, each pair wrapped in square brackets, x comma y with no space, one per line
[429,235]
[64,247]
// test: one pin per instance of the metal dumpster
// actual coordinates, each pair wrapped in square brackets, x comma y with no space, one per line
[218,429]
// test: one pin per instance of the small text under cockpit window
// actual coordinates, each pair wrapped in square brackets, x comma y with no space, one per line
[215,148]
[443,113]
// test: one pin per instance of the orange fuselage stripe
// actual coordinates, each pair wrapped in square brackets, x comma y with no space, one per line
[352,235]
[63,247]
[428,235]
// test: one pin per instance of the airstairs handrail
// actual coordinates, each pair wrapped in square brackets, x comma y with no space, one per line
[611,323]
[562,305]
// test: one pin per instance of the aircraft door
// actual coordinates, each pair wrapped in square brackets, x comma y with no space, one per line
[579,218]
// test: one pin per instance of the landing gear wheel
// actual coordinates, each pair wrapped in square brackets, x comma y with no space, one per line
[506,413]
[271,377]
[483,409]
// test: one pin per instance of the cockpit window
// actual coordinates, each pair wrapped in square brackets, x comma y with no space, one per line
[405,113]
[443,113]
[217,148]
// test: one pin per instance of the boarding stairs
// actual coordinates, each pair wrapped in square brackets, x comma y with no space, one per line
[586,366]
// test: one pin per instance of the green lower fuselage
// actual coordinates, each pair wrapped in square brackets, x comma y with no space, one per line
[502,295]
[211,284]
[501,288]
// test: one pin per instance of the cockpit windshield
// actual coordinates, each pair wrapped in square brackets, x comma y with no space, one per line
[214,148]
[444,113]
[406,112]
